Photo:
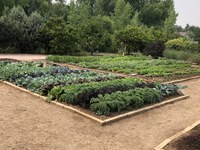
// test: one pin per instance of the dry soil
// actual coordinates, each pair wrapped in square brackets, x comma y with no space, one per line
[27,123]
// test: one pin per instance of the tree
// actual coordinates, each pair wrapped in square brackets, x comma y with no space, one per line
[152,14]
[133,39]
[78,14]
[137,4]
[169,24]
[194,33]
[122,14]
[90,3]
[96,35]
[21,31]
[63,37]
[59,9]
[104,7]
[179,28]
[135,20]
[4,4]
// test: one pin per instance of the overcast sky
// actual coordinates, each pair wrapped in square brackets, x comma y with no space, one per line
[188,10]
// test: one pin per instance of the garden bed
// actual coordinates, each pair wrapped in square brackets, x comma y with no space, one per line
[188,141]
[139,66]
[106,97]
[102,120]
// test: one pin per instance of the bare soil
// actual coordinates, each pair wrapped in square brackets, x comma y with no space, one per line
[27,123]
[23,57]
[188,141]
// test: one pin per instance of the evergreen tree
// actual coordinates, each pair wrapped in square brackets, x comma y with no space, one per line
[169,24]
[122,14]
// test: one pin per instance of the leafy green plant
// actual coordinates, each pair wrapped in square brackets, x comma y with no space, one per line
[119,101]
[165,69]
[170,89]
[82,93]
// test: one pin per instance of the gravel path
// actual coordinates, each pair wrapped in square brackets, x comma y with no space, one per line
[27,123]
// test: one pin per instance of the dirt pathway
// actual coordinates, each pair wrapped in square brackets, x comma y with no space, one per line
[27,123]
[188,141]
[23,57]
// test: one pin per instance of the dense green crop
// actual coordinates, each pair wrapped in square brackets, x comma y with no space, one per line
[119,101]
[132,99]
[41,80]
[102,93]
[82,93]
[167,69]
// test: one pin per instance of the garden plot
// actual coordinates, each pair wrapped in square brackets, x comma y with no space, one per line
[99,95]
[138,65]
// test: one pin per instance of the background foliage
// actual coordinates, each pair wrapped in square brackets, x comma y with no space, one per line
[44,26]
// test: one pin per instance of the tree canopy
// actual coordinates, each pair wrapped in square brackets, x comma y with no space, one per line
[85,25]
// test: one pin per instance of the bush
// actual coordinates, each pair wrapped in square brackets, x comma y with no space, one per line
[154,49]
[63,38]
[7,50]
[20,31]
[182,44]
[182,55]
[96,35]
[133,38]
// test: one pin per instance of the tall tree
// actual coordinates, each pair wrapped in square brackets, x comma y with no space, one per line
[21,31]
[194,33]
[6,3]
[78,13]
[169,24]
[152,14]
[63,37]
[96,35]
[137,4]
[104,7]
[122,14]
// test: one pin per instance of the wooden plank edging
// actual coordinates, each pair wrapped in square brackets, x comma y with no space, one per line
[142,110]
[101,122]
[182,80]
[167,141]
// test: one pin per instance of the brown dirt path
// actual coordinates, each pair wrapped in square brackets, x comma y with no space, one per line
[27,123]
[23,57]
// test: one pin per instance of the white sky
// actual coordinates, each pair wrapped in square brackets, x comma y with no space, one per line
[188,12]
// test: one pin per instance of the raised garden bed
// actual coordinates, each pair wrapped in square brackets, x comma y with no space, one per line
[139,66]
[187,141]
[105,97]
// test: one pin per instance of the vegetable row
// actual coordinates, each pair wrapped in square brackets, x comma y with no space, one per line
[36,78]
[102,93]
[139,64]
[114,96]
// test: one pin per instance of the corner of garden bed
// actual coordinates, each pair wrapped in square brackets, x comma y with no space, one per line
[102,122]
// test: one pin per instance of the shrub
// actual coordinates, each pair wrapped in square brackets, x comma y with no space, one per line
[182,55]
[96,35]
[154,49]
[182,44]
[20,31]
[133,38]
[63,37]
